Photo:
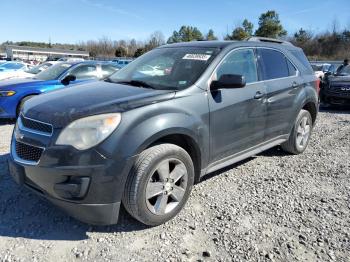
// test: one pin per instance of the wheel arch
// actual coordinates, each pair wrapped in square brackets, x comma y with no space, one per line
[186,142]
[182,138]
[22,98]
[311,107]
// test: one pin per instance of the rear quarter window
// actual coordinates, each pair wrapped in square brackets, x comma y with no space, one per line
[291,68]
[300,56]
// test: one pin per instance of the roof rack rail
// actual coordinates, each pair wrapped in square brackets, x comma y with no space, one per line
[266,39]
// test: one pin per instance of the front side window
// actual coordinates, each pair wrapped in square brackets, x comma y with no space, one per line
[273,64]
[173,68]
[84,72]
[240,62]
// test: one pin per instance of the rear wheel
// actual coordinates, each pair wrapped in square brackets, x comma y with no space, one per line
[159,184]
[300,134]
[20,105]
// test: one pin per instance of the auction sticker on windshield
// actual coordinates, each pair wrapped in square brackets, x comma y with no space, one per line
[200,57]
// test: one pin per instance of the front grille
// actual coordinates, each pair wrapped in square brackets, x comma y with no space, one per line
[28,152]
[36,125]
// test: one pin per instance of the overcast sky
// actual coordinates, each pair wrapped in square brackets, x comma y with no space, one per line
[71,21]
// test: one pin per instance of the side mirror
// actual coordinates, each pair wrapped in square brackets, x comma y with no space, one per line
[228,81]
[69,78]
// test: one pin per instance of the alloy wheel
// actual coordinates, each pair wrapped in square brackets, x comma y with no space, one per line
[166,186]
[303,132]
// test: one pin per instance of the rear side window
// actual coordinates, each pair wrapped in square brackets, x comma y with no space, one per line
[303,60]
[273,64]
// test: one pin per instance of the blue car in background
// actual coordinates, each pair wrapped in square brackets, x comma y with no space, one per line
[12,66]
[13,93]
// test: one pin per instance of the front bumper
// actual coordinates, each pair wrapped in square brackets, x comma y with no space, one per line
[86,184]
[95,213]
[335,96]
[8,107]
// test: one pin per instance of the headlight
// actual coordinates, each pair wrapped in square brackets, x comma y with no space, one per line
[87,132]
[7,93]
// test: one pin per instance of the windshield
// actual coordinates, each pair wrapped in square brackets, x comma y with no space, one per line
[317,67]
[10,65]
[166,68]
[37,69]
[53,72]
[345,71]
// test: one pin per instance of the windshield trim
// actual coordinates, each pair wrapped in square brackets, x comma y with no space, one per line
[342,73]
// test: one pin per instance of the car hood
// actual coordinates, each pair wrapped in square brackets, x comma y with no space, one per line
[13,84]
[339,78]
[63,106]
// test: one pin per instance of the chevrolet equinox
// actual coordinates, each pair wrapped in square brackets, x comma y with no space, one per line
[143,136]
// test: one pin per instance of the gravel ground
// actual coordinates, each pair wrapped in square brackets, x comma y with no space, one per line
[270,207]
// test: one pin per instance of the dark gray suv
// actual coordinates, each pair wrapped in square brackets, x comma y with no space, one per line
[146,134]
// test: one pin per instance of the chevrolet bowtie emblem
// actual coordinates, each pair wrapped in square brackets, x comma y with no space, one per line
[19,136]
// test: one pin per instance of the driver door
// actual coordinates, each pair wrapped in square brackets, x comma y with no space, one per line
[237,115]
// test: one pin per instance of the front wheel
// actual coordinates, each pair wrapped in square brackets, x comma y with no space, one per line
[300,134]
[159,184]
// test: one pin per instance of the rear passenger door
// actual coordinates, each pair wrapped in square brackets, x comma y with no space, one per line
[237,115]
[282,84]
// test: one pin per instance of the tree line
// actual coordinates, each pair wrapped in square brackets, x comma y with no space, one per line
[332,44]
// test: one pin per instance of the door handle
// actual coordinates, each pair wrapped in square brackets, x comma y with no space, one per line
[295,85]
[258,95]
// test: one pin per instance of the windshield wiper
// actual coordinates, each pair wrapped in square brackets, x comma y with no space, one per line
[138,83]
[107,79]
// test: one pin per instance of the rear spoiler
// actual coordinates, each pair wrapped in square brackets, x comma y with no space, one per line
[270,40]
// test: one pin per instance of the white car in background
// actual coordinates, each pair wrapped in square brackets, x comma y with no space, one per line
[26,72]
[9,69]
[151,70]
[320,69]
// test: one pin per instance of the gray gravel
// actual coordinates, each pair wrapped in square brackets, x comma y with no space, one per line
[271,207]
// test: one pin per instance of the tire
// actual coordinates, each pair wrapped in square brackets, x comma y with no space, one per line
[149,177]
[20,105]
[300,135]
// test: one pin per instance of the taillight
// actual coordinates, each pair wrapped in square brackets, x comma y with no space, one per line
[318,85]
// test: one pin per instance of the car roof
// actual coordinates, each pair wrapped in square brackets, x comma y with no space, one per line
[94,62]
[224,44]
[203,44]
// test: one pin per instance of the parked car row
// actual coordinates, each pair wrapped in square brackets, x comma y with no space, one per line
[46,77]
[122,62]
[13,69]
[335,88]
[335,83]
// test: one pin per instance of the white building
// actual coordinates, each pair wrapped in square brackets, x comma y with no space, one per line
[41,54]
